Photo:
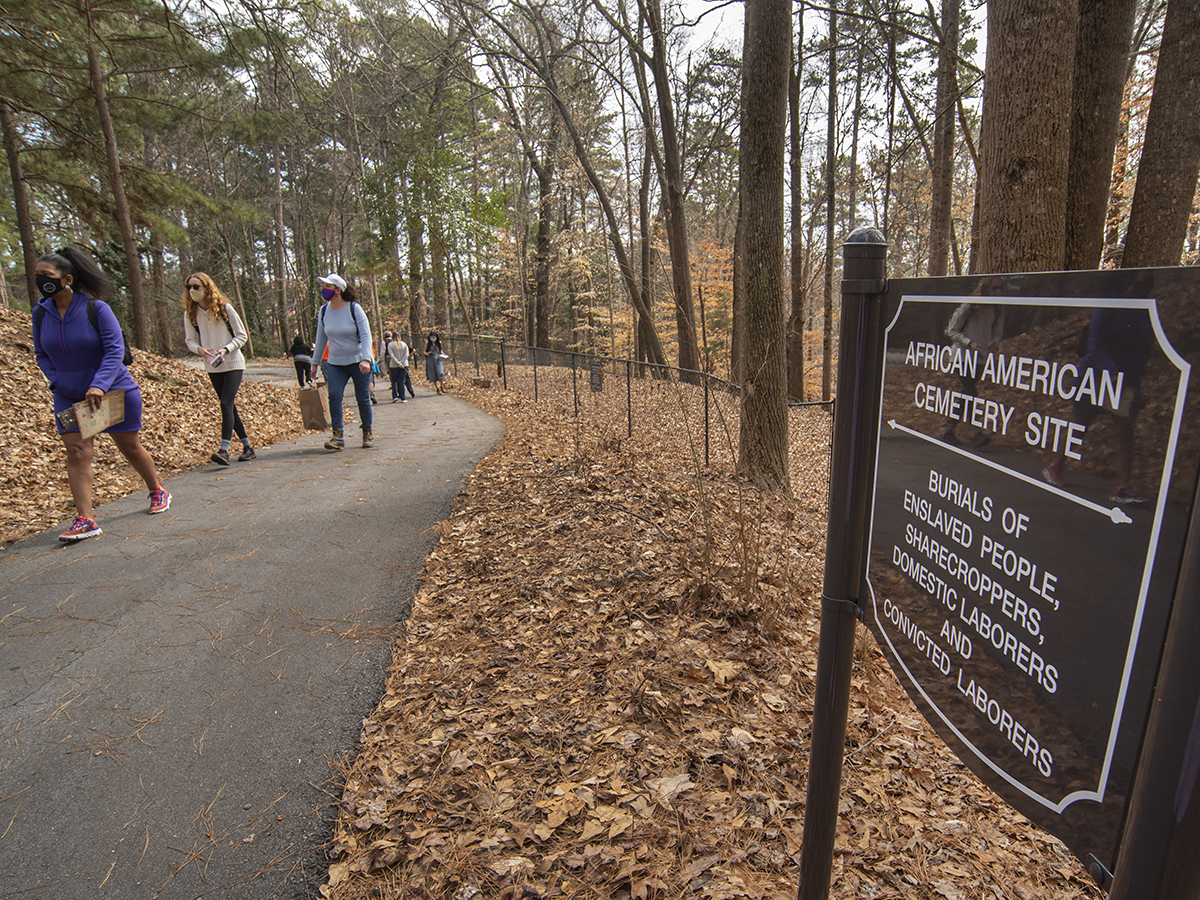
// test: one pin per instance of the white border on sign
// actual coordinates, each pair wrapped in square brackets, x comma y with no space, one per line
[1151,306]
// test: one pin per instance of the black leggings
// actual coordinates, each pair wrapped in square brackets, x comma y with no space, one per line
[226,385]
[303,373]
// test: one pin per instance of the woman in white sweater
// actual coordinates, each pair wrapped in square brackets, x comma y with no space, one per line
[213,330]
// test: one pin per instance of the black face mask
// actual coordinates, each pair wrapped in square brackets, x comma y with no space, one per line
[49,286]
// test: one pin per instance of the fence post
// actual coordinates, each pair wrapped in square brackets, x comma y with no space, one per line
[535,368]
[629,393]
[1156,856]
[706,441]
[575,382]
[503,365]
[855,427]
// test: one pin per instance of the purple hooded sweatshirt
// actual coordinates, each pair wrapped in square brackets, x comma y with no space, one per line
[74,357]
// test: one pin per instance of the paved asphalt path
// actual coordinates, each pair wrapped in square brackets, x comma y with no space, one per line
[175,694]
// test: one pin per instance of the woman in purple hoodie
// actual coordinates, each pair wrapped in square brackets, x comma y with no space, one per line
[79,350]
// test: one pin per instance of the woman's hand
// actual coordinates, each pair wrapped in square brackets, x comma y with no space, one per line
[94,397]
[364,366]
[208,354]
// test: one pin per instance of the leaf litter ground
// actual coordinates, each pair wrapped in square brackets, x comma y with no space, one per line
[605,688]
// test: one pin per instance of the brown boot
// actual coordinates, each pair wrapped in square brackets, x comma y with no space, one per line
[336,442]
[368,439]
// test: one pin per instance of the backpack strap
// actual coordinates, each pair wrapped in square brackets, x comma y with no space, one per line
[357,330]
[221,310]
[93,314]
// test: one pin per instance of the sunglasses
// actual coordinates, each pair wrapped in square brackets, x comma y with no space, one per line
[198,287]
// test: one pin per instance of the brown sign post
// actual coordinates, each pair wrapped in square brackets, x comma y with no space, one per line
[1020,536]
[854,425]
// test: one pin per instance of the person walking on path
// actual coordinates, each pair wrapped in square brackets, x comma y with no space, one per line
[212,329]
[301,354]
[407,377]
[79,348]
[435,372]
[381,356]
[974,327]
[343,330]
[396,355]
[1119,342]
[374,373]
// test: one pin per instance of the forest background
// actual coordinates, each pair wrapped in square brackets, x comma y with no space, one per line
[585,175]
[570,174]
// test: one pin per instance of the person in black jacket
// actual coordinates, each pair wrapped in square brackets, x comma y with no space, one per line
[301,354]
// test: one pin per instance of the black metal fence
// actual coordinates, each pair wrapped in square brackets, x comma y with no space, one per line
[643,395]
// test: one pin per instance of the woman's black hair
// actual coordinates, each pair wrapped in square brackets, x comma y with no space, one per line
[349,294]
[88,277]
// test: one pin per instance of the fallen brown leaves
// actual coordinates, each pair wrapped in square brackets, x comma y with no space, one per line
[181,427]
[605,690]
[605,687]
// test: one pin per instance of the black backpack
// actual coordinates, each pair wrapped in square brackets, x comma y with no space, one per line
[93,314]
[357,330]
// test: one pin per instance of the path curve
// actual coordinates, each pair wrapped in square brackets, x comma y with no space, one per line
[174,693]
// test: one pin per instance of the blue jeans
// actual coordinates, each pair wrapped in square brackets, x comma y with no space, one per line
[337,378]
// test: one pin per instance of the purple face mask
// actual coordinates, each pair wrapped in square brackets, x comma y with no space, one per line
[328,292]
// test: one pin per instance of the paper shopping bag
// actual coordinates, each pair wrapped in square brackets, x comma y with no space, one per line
[314,407]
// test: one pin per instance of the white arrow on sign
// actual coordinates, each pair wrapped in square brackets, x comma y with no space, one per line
[1118,515]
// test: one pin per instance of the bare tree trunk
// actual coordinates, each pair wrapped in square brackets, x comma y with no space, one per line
[944,128]
[162,319]
[528,334]
[852,203]
[830,205]
[416,268]
[1170,164]
[237,290]
[1025,140]
[810,313]
[973,251]
[157,271]
[654,346]
[280,250]
[20,200]
[645,255]
[545,174]
[1101,60]
[737,341]
[763,445]
[1116,209]
[437,271]
[677,237]
[795,329]
[141,323]
[891,114]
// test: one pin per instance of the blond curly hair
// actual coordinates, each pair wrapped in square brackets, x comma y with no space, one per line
[219,301]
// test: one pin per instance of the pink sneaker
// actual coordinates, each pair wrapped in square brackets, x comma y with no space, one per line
[81,528]
[160,500]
